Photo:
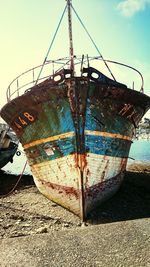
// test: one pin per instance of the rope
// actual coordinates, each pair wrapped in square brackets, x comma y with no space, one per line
[93,42]
[51,44]
[12,190]
[87,34]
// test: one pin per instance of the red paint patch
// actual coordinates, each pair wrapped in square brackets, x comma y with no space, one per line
[100,188]
[63,189]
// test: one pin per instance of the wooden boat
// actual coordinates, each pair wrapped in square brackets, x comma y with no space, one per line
[76,130]
[8,148]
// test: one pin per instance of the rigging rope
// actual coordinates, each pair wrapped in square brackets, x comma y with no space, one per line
[93,42]
[14,187]
[51,44]
[87,34]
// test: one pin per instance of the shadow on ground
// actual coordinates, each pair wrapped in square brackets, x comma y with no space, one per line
[132,201]
[8,181]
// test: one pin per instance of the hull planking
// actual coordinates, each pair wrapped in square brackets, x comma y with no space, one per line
[77,135]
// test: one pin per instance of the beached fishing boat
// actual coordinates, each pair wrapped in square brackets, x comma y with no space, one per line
[8,148]
[76,126]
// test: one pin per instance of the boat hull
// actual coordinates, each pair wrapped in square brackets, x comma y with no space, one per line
[60,181]
[7,154]
[77,136]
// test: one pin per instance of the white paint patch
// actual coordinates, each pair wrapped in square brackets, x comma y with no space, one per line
[64,174]
[100,168]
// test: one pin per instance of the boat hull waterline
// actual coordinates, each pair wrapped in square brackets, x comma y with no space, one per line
[77,135]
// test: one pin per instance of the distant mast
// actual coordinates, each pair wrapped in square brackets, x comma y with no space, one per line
[70,36]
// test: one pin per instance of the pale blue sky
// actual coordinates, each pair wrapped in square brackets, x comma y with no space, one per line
[120,28]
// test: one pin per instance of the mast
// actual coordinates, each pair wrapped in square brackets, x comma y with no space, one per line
[70,35]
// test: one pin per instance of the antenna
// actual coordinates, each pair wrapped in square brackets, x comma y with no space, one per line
[69,5]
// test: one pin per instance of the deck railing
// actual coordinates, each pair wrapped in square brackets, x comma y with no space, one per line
[27,79]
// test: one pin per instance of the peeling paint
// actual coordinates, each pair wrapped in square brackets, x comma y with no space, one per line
[77,134]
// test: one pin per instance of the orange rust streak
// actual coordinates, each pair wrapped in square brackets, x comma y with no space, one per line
[70,134]
[51,138]
[97,133]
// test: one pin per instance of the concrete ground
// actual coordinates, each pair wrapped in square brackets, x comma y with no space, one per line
[35,232]
[118,244]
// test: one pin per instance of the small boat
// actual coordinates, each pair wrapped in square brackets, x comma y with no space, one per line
[8,148]
[76,126]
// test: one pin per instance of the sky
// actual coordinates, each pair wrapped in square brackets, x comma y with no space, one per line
[120,29]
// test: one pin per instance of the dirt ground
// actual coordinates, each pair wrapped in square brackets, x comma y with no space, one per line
[26,212]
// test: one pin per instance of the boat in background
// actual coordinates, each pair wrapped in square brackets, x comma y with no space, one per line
[76,126]
[8,147]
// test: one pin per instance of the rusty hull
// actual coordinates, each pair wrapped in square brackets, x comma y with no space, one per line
[77,134]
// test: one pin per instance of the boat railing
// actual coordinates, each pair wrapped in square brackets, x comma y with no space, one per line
[28,79]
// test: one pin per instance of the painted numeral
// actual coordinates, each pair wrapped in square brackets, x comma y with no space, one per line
[23,122]
[24,119]
[28,116]
[18,125]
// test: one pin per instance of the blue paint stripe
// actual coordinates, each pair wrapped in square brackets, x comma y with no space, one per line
[108,146]
[93,144]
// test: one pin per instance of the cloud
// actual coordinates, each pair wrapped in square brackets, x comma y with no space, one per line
[129,7]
